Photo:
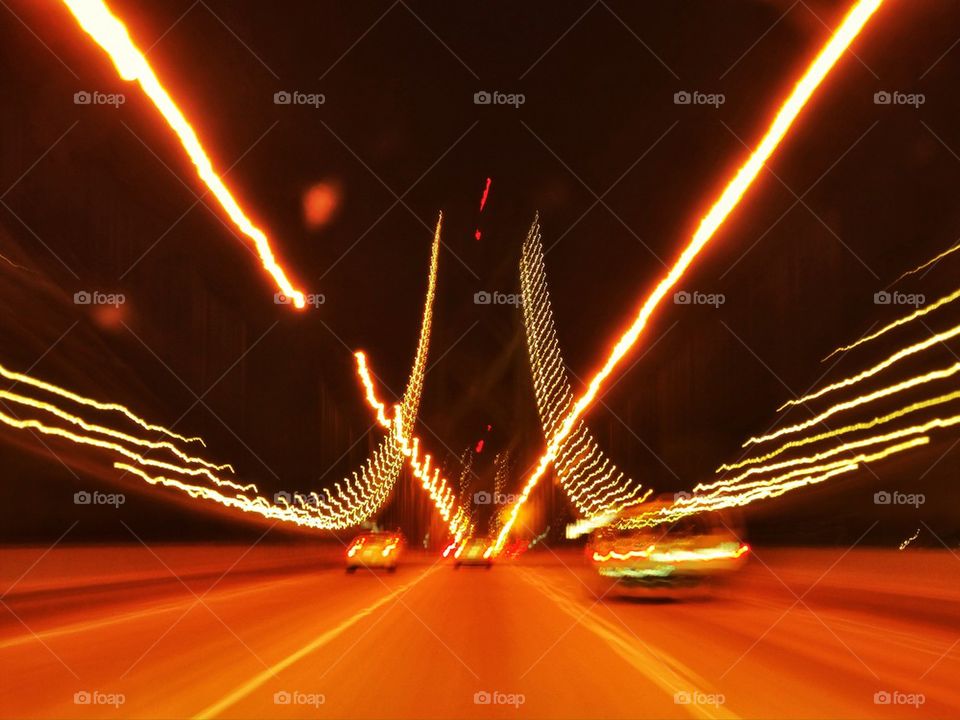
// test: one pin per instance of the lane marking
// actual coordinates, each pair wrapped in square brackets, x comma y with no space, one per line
[625,645]
[318,642]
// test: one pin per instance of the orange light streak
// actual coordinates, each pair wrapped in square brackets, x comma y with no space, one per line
[111,34]
[841,39]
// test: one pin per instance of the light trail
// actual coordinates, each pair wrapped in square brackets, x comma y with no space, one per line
[355,499]
[721,552]
[437,487]
[898,323]
[879,367]
[857,402]
[89,427]
[856,427]
[935,424]
[746,493]
[111,34]
[811,79]
[591,481]
[110,407]
[905,543]
[928,263]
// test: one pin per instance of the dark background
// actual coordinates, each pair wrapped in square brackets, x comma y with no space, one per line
[399,120]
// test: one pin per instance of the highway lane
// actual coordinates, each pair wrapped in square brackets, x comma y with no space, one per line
[813,634]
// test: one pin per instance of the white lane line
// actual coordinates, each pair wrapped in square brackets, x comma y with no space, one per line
[318,642]
[657,666]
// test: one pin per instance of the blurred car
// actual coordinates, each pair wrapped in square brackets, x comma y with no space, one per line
[375,550]
[684,553]
[474,551]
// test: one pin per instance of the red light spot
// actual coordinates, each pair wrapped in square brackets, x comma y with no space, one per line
[320,203]
[483,198]
[479,448]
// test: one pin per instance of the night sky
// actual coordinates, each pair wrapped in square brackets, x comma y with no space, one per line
[104,199]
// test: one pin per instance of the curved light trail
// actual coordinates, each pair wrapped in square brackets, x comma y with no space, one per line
[593,483]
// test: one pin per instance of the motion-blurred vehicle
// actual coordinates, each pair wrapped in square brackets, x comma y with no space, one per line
[375,550]
[680,554]
[474,551]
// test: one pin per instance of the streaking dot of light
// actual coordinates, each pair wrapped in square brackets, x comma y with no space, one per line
[851,26]
[111,34]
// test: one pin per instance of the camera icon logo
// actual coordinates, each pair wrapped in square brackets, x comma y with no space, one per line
[882,498]
[82,697]
[682,97]
[881,697]
[282,697]
[82,298]
[682,697]
[82,97]
[482,298]
[882,298]
[682,495]
[482,98]
[282,97]
[482,697]
[82,498]
[882,97]
[682,297]
[482,497]
[282,299]
[282,497]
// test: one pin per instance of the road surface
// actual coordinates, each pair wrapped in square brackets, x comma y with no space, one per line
[171,632]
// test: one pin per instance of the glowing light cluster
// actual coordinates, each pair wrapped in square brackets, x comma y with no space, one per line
[111,34]
[811,79]
[592,482]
